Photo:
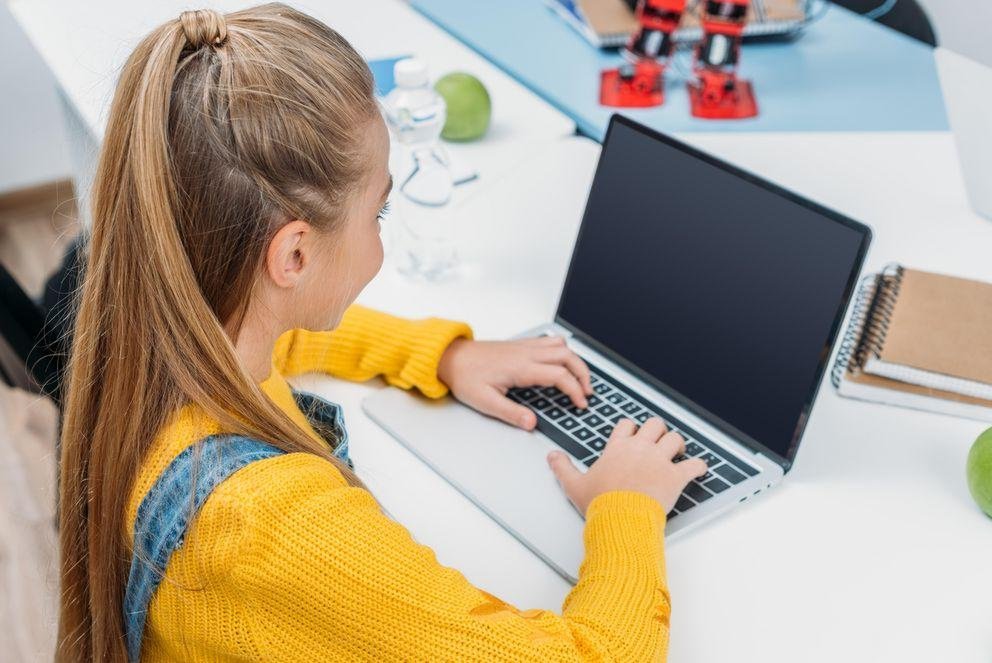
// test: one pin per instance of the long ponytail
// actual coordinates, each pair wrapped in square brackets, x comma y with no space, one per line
[221,129]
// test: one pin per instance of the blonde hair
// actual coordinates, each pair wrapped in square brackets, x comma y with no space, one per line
[222,129]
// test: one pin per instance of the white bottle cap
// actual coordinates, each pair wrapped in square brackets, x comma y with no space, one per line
[410,72]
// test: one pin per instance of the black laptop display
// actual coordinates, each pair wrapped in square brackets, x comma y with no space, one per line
[717,287]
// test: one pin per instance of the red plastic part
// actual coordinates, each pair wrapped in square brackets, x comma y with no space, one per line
[722,96]
[721,28]
[670,9]
[642,89]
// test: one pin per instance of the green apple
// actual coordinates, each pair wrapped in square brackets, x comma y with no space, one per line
[469,106]
[980,471]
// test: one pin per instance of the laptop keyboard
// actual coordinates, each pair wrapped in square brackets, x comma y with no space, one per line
[583,433]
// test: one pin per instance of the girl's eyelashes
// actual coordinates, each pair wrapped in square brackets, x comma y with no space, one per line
[383,212]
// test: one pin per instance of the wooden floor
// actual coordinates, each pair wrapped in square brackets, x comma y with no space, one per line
[35,228]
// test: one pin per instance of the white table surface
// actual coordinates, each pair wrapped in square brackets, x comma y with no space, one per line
[86,43]
[871,549]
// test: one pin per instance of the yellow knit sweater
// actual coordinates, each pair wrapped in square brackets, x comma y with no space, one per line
[286,562]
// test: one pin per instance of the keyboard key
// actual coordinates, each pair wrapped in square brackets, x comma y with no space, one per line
[563,401]
[683,503]
[679,458]
[554,413]
[525,394]
[605,431]
[729,473]
[540,403]
[606,410]
[597,444]
[590,460]
[693,449]
[616,398]
[594,400]
[697,492]
[748,470]
[705,477]
[568,423]
[582,434]
[672,514]
[562,439]
[601,388]
[591,420]
[717,485]
[550,392]
[616,418]
[642,417]
[711,459]
[631,408]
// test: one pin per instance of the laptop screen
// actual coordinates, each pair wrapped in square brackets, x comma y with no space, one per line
[714,285]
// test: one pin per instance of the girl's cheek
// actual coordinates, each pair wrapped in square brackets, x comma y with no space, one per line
[380,254]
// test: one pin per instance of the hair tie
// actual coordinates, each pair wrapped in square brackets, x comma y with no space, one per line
[204,26]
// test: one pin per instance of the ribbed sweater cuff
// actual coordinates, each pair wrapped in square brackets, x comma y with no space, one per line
[427,346]
[624,527]
[623,500]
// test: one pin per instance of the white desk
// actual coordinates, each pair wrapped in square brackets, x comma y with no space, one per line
[871,550]
[86,43]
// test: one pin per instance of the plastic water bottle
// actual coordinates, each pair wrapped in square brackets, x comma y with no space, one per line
[416,114]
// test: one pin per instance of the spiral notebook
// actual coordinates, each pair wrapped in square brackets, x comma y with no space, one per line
[920,340]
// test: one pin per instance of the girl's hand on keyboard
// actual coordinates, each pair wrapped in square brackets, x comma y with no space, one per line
[479,373]
[638,459]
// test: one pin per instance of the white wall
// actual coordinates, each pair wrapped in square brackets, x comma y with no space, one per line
[964,26]
[32,142]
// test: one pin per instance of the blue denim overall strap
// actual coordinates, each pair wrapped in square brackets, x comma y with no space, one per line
[327,419]
[167,510]
[165,514]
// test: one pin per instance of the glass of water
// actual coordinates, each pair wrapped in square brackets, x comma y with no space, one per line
[423,239]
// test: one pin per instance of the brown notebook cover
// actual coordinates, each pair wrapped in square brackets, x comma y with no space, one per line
[941,324]
[770,11]
[608,17]
[613,21]
[923,321]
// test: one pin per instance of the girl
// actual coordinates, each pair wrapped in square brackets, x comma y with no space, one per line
[210,512]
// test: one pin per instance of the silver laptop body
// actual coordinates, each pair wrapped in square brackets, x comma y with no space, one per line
[504,471]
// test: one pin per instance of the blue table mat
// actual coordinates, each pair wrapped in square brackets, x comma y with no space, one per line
[382,72]
[844,73]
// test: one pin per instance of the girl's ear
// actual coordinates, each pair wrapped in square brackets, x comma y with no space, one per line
[288,253]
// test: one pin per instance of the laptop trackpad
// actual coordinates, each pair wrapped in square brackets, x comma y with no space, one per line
[501,469]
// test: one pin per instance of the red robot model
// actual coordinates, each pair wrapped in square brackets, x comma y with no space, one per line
[716,93]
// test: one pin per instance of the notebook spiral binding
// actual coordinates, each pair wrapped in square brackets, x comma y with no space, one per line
[870,318]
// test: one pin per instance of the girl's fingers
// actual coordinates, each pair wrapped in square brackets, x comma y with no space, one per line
[496,404]
[565,357]
[624,428]
[671,444]
[547,375]
[692,468]
[652,429]
[542,341]
[569,478]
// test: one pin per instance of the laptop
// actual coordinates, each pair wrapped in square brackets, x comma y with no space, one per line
[967,87]
[696,292]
